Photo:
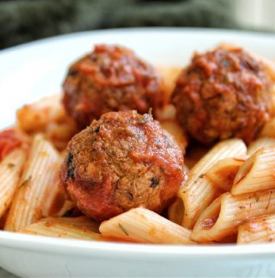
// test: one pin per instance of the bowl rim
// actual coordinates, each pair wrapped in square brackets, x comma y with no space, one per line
[76,246]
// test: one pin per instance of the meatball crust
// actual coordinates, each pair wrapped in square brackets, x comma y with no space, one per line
[123,160]
[223,93]
[111,78]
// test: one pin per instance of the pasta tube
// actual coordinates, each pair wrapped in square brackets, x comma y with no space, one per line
[64,228]
[227,212]
[175,211]
[39,172]
[145,226]
[198,192]
[222,174]
[36,116]
[177,132]
[10,170]
[257,173]
[269,129]
[257,230]
[170,75]
[260,143]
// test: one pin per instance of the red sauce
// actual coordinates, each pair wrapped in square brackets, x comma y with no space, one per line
[9,141]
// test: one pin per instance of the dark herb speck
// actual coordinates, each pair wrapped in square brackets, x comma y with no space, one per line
[70,173]
[72,73]
[130,195]
[154,182]
[10,165]
[25,182]
[123,229]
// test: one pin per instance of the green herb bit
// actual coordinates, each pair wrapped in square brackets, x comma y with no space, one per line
[25,182]
[146,118]
[123,229]
[11,165]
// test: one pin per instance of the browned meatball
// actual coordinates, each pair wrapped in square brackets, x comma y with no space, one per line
[223,93]
[111,78]
[122,161]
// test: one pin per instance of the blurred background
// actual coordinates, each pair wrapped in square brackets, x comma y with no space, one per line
[26,20]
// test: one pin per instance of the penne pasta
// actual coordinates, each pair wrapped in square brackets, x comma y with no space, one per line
[64,228]
[66,207]
[268,129]
[145,226]
[258,230]
[260,143]
[80,221]
[36,116]
[175,211]
[177,132]
[169,75]
[39,172]
[48,116]
[166,113]
[10,171]
[55,197]
[222,174]
[198,192]
[257,173]
[227,212]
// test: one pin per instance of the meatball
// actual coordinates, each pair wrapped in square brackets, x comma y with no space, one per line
[123,160]
[223,93]
[111,78]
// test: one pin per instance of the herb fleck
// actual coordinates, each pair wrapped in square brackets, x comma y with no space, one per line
[123,229]
[10,165]
[146,118]
[97,129]
[69,159]
[72,72]
[25,182]
[201,176]
[154,182]
[130,195]
[225,63]
[70,173]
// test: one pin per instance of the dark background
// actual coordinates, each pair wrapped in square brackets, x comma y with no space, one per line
[26,20]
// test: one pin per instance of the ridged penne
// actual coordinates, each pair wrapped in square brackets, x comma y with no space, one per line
[175,211]
[145,226]
[170,75]
[258,230]
[177,132]
[39,172]
[268,129]
[257,173]
[63,228]
[65,208]
[47,116]
[36,116]
[226,213]
[10,171]
[260,143]
[198,192]
[222,174]
[55,196]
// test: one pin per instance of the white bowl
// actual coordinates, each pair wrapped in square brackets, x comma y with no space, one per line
[31,71]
